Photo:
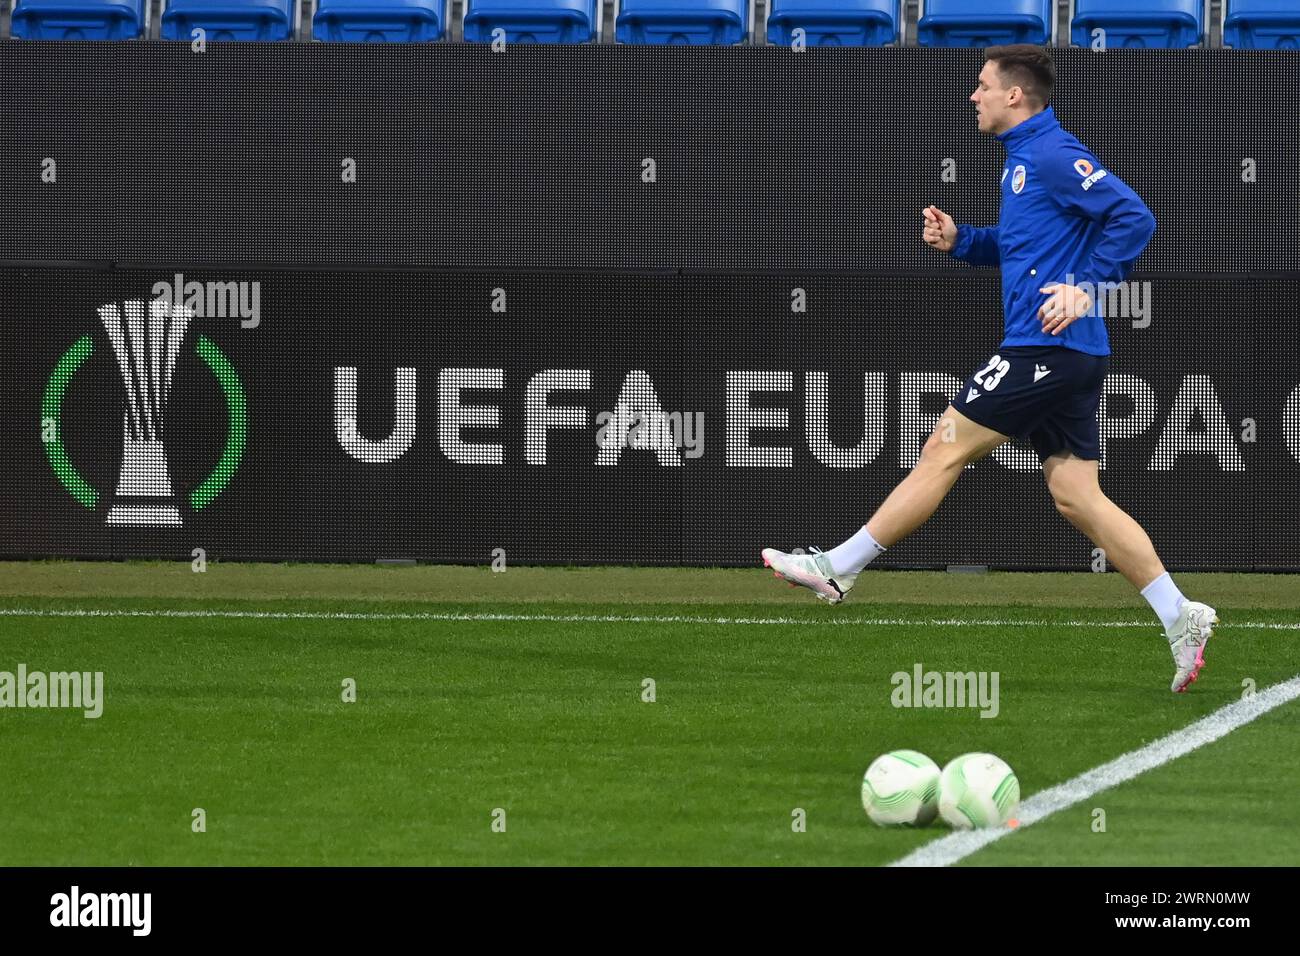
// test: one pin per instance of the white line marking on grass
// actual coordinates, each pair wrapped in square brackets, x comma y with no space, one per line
[592,618]
[956,847]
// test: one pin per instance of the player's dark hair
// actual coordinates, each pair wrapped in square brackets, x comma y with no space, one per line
[1026,66]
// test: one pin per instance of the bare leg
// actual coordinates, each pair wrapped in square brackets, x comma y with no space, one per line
[955,442]
[1075,488]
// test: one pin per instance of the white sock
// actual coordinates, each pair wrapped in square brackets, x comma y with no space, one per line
[1165,599]
[856,553]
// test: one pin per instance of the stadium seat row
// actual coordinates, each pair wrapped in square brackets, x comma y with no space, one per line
[1114,23]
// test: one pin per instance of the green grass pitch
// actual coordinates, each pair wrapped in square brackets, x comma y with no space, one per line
[523,692]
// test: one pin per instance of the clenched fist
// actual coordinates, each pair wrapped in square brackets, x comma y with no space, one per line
[939,231]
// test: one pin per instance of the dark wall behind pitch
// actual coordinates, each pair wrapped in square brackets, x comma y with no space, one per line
[765,158]
[1176,455]
[479,170]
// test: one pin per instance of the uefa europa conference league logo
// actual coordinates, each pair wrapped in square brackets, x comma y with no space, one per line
[146,339]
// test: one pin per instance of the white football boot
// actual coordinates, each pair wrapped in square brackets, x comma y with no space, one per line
[1187,640]
[812,571]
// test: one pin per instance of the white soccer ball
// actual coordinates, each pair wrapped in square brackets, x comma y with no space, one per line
[901,788]
[978,790]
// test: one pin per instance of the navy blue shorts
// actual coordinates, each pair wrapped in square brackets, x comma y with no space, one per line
[1046,395]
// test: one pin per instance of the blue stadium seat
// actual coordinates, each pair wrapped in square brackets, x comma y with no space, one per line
[835,22]
[984,22]
[79,19]
[1262,24]
[1139,23]
[230,19]
[699,22]
[380,21]
[533,21]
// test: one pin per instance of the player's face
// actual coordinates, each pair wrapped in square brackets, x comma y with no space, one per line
[990,99]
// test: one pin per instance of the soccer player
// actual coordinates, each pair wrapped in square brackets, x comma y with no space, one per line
[1064,220]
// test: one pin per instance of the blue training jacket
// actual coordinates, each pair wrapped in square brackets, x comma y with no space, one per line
[1061,215]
